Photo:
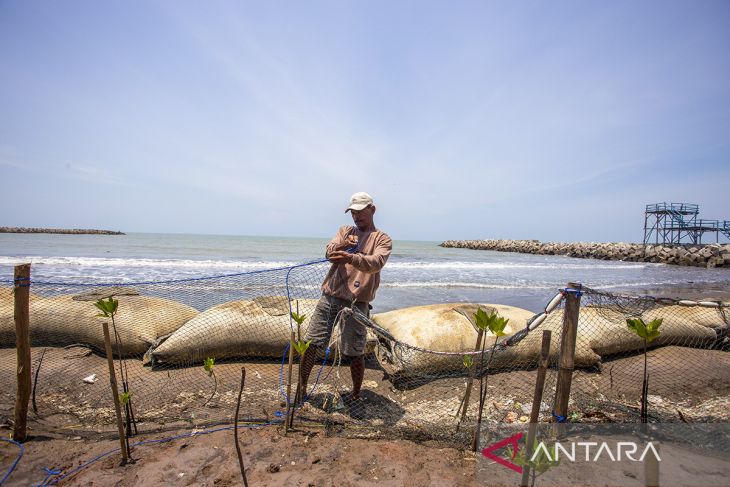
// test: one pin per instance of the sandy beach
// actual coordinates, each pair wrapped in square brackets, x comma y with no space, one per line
[314,455]
[402,436]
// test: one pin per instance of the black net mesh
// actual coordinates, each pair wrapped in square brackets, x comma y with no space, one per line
[418,364]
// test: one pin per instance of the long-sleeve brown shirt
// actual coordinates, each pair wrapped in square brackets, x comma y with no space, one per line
[359,280]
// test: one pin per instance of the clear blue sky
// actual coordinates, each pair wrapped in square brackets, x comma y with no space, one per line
[552,120]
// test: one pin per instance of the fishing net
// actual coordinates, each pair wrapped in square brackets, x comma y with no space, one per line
[178,348]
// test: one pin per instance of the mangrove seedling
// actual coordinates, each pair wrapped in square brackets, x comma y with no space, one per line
[496,325]
[108,309]
[299,320]
[647,331]
[301,348]
[468,362]
[208,365]
[540,461]
[124,398]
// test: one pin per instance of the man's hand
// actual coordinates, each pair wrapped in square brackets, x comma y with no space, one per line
[350,241]
[340,257]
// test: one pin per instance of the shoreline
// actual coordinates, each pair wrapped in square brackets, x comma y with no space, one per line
[701,255]
[62,231]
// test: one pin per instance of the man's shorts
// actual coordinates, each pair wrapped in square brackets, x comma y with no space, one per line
[353,334]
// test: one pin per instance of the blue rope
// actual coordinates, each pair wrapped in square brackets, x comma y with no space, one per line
[316,380]
[50,472]
[314,386]
[577,292]
[561,419]
[17,460]
[142,443]
[171,281]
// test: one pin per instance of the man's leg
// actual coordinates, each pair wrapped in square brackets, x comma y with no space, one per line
[318,333]
[357,371]
[354,341]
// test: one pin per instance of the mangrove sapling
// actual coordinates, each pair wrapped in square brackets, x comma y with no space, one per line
[35,379]
[301,347]
[108,309]
[495,324]
[208,365]
[235,427]
[647,331]
[539,461]
[470,380]
[468,363]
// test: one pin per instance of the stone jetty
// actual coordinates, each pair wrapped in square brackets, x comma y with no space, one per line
[58,230]
[707,255]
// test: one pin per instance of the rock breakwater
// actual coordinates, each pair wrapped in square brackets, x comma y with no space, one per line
[72,231]
[708,255]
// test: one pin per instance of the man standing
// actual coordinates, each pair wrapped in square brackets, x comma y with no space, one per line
[357,254]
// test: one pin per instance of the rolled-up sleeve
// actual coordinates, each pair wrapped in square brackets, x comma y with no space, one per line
[374,262]
[337,241]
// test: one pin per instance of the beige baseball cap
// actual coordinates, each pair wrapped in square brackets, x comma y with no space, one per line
[359,201]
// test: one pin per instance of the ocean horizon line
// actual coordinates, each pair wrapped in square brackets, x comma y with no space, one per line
[191,234]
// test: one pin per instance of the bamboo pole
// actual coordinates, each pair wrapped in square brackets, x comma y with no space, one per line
[542,365]
[567,352]
[115,393]
[288,382]
[22,346]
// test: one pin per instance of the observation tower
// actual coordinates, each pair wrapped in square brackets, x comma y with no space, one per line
[676,223]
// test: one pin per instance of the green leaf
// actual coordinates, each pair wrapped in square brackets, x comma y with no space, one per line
[208,364]
[493,322]
[301,347]
[124,397]
[652,329]
[468,361]
[646,331]
[298,318]
[100,304]
[481,319]
[108,308]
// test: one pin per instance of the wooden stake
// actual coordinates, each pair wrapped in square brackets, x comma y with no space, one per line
[22,346]
[542,365]
[288,383]
[115,393]
[567,353]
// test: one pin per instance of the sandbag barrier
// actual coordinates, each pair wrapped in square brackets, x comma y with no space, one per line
[415,377]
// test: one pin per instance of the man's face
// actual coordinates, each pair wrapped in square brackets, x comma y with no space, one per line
[363,218]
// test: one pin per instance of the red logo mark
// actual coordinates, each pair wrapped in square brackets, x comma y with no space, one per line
[512,440]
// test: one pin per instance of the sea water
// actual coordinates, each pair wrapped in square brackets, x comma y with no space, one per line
[416,273]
